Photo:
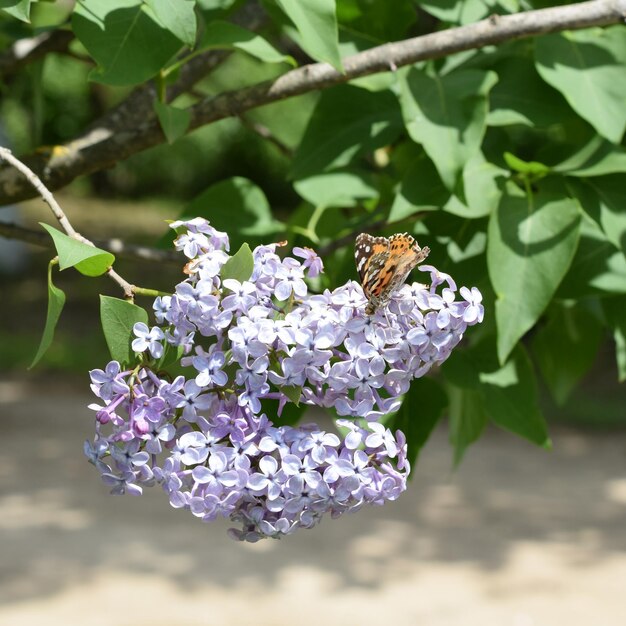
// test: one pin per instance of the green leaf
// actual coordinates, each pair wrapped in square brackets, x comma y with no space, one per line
[447,115]
[220,34]
[239,266]
[467,419]
[56,300]
[293,393]
[177,16]
[214,5]
[289,416]
[125,38]
[337,189]
[316,21]
[522,97]
[236,206]
[596,158]
[420,189]
[506,393]
[615,311]
[571,330]
[531,244]
[598,267]
[20,9]
[604,199]
[372,21]
[587,67]
[481,187]
[174,121]
[88,260]
[347,121]
[421,409]
[118,318]
[171,354]
[467,11]
[510,397]
[531,168]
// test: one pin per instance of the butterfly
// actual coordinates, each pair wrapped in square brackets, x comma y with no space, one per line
[384,263]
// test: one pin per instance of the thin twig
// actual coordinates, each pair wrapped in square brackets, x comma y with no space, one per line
[102,146]
[120,248]
[265,133]
[33,179]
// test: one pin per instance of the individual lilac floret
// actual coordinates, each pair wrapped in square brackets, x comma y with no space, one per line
[148,339]
[253,345]
[312,262]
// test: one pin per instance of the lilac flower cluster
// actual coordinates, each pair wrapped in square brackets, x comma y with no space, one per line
[249,339]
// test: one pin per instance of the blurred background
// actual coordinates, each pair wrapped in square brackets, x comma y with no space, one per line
[516,535]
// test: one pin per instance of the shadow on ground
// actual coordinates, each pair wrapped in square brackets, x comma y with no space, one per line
[60,529]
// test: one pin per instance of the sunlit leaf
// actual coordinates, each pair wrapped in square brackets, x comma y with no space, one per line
[239,266]
[221,34]
[126,39]
[531,244]
[587,67]
[447,115]
[178,16]
[316,21]
[88,260]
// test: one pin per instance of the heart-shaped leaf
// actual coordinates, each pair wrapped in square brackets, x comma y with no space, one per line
[88,260]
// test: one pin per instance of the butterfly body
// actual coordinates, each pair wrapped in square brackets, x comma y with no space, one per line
[383,264]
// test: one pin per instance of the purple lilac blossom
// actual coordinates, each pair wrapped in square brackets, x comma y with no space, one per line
[205,438]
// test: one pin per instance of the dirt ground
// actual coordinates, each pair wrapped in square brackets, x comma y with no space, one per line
[517,537]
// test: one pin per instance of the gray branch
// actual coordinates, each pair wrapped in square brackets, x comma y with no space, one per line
[105,144]
[30,49]
[118,247]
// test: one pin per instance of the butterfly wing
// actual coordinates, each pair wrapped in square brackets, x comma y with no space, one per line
[371,255]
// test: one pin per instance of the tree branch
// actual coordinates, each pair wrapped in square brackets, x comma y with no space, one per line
[27,50]
[102,147]
[118,247]
[31,177]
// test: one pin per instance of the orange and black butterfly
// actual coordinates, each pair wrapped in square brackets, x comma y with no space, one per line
[384,263]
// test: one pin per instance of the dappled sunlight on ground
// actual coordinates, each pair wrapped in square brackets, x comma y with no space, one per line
[517,536]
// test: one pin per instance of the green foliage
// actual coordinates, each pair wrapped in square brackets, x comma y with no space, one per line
[56,301]
[125,37]
[174,121]
[421,409]
[447,115]
[346,123]
[88,260]
[508,162]
[240,265]
[19,9]
[571,330]
[118,318]
[224,35]
[532,242]
[238,206]
[316,22]
[482,389]
[587,67]
[177,16]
